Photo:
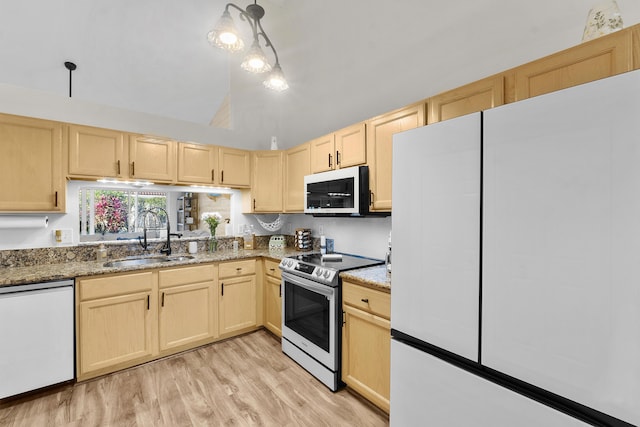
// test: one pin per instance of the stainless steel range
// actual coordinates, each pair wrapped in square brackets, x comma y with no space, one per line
[312,311]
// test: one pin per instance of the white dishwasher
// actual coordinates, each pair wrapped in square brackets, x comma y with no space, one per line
[36,335]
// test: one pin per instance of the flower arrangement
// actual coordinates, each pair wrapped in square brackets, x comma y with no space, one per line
[213,219]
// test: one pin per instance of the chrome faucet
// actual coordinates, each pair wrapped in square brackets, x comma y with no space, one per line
[166,249]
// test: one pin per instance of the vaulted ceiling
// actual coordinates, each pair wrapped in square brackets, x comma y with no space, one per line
[346,60]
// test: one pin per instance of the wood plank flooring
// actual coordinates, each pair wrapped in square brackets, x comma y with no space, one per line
[244,381]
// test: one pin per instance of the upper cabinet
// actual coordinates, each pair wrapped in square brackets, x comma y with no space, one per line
[197,163]
[477,96]
[341,149]
[297,165]
[95,152]
[31,165]
[379,150]
[152,158]
[322,154]
[266,187]
[351,146]
[235,167]
[104,153]
[593,60]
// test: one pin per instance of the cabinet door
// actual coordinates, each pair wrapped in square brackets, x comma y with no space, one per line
[235,167]
[197,163]
[477,96]
[379,149]
[351,146]
[322,154]
[266,190]
[366,341]
[187,315]
[237,304]
[297,165]
[152,158]
[273,305]
[95,152]
[115,331]
[31,165]
[596,59]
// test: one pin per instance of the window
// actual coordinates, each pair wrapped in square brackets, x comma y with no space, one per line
[116,213]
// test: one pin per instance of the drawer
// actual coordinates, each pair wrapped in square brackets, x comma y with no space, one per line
[371,300]
[108,286]
[271,268]
[186,275]
[236,268]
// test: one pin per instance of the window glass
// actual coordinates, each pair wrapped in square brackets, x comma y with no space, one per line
[117,212]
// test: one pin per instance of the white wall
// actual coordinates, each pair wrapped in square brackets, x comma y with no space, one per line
[34,103]
[360,236]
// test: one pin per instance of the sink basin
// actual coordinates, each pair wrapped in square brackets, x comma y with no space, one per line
[179,258]
[128,262]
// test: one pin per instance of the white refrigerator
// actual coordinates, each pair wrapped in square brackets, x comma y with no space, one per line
[515,296]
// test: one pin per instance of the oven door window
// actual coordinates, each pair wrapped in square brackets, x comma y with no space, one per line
[307,313]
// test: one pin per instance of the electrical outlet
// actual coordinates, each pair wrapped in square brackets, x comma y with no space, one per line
[321,229]
[63,236]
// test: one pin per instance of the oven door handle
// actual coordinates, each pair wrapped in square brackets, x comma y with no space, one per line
[327,291]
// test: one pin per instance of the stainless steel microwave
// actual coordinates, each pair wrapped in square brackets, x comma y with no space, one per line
[341,192]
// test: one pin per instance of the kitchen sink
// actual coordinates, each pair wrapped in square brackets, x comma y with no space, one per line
[133,261]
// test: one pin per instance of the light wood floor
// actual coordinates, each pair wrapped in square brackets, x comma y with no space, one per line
[244,381]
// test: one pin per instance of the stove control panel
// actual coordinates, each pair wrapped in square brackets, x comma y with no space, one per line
[310,271]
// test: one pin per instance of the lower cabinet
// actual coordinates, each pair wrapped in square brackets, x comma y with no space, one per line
[272,297]
[238,297]
[366,342]
[188,307]
[117,322]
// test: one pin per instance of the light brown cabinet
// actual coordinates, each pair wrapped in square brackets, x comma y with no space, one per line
[379,150]
[197,163]
[238,297]
[351,146]
[266,184]
[366,342]
[116,322]
[341,149]
[322,153]
[235,167]
[593,60]
[477,96]
[272,297]
[152,158]
[96,152]
[188,301]
[297,166]
[31,165]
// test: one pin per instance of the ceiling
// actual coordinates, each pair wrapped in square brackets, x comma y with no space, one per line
[345,61]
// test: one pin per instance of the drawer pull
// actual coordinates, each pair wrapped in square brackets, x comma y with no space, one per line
[365,300]
[239,269]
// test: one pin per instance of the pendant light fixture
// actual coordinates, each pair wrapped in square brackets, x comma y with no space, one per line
[225,35]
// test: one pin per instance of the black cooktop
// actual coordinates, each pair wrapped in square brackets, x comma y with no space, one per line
[338,262]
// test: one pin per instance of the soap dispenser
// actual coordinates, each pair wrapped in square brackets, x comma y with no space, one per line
[101,255]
